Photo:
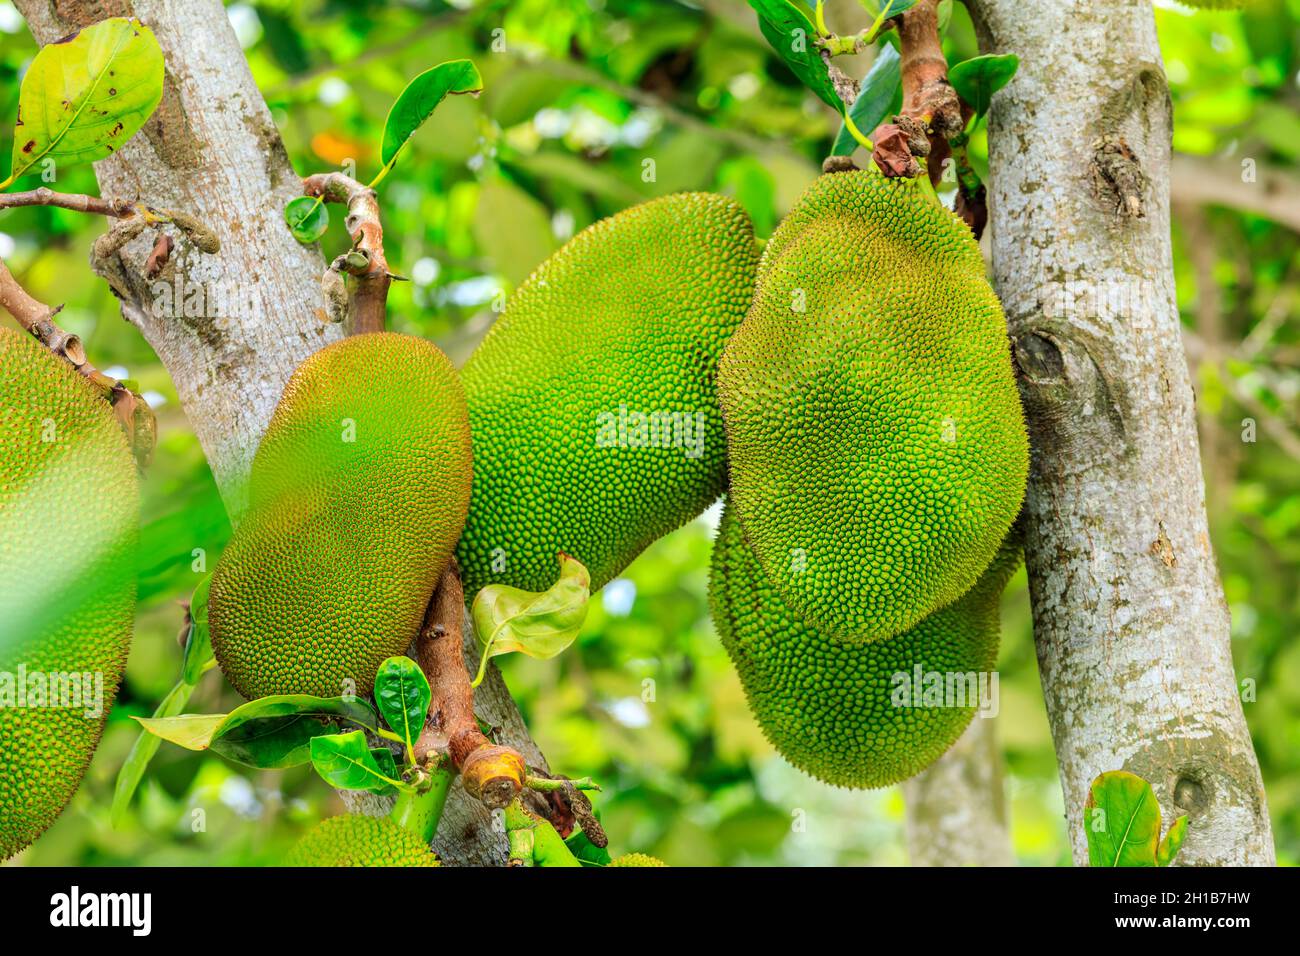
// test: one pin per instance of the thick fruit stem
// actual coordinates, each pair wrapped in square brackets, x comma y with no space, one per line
[492,773]
[366,261]
[420,810]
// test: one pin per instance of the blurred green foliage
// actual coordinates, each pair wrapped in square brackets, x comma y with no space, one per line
[580,96]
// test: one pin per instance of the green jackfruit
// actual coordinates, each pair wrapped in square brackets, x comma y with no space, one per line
[592,405]
[877,445]
[1220,4]
[69,510]
[841,711]
[637,859]
[355,840]
[357,496]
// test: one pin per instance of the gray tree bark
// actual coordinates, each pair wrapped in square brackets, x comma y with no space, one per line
[212,151]
[957,809]
[1130,622]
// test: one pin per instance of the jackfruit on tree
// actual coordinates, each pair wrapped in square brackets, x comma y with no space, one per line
[358,494]
[356,840]
[69,512]
[592,405]
[854,714]
[877,446]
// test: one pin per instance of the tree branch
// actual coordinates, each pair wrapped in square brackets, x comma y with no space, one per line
[956,807]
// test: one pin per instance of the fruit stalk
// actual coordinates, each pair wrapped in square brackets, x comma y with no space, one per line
[366,262]
[493,774]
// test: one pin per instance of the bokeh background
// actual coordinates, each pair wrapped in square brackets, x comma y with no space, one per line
[578,94]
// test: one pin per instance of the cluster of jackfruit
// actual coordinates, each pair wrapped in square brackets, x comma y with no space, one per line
[878,460]
[358,494]
[69,502]
[356,840]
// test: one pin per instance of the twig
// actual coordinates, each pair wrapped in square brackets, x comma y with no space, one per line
[492,773]
[366,262]
[97,205]
[133,413]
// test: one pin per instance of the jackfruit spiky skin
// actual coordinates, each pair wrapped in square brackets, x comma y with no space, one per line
[877,446]
[331,570]
[69,510]
[356,840]
[828,706]
[630,315]
[637,859]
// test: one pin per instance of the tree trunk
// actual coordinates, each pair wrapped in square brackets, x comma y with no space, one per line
[1130,622]
[212,151]
[956,808]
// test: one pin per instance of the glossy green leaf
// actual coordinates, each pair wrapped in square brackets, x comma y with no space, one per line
[977,79]
[793,35]
[1172,842]
[876,97]
[143,750]
[346,762]
[539,625]
[270,732]
[1121,819]
[86,94]
[386,761]
[418,101]
[402,696]
[198,645]
[307,218]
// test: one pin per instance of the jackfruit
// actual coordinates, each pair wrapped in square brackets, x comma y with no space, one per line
[877,446]
[592,406]
[356,840]
[69,510]
[636,859]
[357,496]
[1220,4]
[853,714]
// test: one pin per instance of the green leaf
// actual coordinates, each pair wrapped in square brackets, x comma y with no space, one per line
[307,218]
[418,101]
[945,15]
[977,79]
[586,851]
[539,625]
[386,761]
[198,645]
[875,99]
[402,696]
[267,733]
[143,750]
[792,33]
[1121,819]
[1172,843]
[346,762]
[85,95]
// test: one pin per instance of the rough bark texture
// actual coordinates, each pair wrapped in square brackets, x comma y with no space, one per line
[213,152]
[1130,621]
[956,809]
